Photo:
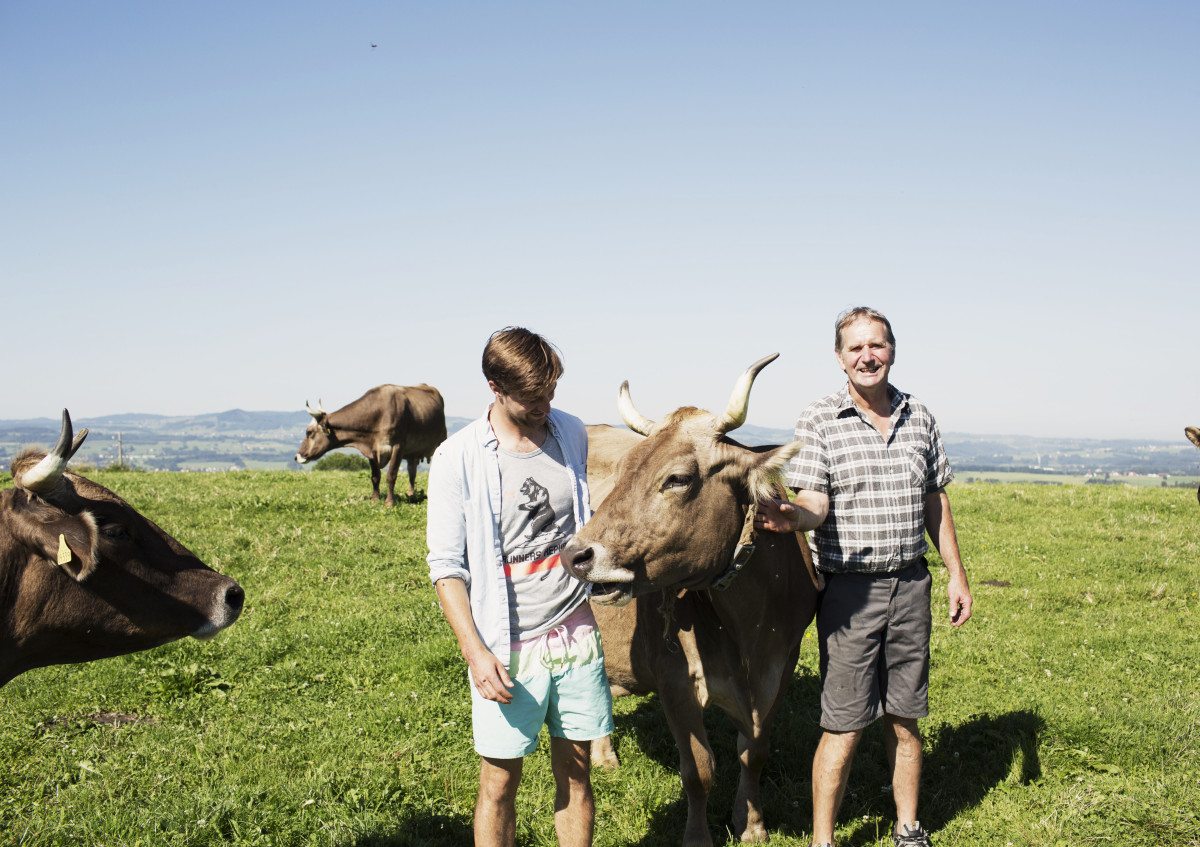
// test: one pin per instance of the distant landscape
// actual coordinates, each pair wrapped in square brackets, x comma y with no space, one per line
[237,439]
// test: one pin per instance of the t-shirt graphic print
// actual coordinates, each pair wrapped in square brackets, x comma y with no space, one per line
[538,505]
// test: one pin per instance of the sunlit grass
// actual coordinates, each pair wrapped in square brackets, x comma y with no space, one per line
[335,711]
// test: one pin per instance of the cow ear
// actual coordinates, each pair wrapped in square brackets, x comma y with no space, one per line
[766,474]
[76,549]
[58,538]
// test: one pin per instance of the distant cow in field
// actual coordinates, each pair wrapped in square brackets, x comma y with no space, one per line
[1193,435]
[84,576]
[387,424]
[717,614]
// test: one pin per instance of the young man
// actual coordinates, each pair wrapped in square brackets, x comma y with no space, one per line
[505,494]
[871,481]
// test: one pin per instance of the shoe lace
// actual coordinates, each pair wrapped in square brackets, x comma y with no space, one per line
[912,835]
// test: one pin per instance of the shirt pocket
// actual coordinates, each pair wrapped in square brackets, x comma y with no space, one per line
[918,467]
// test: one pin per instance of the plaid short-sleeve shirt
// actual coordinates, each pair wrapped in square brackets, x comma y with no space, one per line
[876,486]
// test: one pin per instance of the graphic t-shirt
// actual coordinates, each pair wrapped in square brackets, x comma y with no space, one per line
[537,518]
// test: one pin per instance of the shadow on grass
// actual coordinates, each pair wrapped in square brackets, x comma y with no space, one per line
[423,831]
[786,794]
[963,763]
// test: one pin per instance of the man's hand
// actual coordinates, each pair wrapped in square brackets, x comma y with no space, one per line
[960,600]
[807,512]
[775,515]
[489,676]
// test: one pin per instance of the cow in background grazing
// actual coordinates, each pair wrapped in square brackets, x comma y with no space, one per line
[387,424]
[1193,435]
[84,576]
[689,603]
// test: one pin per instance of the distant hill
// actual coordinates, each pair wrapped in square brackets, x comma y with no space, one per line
[268,440]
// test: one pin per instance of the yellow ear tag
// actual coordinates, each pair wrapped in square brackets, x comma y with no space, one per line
[64,552]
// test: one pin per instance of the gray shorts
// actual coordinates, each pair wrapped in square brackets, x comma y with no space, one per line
[874,635]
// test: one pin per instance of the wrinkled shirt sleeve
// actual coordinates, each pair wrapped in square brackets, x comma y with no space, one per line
[940,473]
[446,523]
[809,469]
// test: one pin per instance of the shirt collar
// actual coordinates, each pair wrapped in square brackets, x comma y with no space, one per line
[488,438]
[846,404]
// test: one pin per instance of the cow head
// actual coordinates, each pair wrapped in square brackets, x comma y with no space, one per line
[319,437]
[677,504]
[84,576]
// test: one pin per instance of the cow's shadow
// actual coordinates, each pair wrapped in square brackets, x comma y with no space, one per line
[962,764]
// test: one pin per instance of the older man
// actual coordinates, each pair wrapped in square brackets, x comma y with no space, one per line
[870,482]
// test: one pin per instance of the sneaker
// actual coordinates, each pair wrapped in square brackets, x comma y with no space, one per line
[911,835]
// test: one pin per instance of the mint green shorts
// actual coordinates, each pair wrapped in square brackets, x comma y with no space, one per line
[559,682]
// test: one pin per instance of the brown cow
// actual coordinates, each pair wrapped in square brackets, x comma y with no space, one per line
[1193,435]
[707,623]
[387,424]
[84,576]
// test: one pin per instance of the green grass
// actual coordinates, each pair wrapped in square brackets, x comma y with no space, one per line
[335,712]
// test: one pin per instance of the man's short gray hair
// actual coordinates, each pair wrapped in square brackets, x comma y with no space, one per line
[851,315]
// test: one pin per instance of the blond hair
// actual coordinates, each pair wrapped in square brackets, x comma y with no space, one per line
[521,363]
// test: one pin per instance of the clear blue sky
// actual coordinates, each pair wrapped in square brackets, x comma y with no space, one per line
[221,205]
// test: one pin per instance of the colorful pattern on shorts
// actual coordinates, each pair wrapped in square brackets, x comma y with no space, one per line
[571,644]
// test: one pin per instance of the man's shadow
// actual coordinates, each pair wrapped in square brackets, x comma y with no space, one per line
[962,764]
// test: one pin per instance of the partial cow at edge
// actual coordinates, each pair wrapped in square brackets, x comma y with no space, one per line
[1193,435]
[387,424]
[682,607]
[84,576]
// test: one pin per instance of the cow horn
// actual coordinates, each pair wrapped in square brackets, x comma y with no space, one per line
[739,401]
[43,476]
[634,419]
[318,413]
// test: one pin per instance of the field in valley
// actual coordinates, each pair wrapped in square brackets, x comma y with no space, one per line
[335,712]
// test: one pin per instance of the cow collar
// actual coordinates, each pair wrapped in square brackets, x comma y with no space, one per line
[742,553]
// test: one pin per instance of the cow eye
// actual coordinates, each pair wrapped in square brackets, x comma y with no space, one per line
[115,531]
[677,480]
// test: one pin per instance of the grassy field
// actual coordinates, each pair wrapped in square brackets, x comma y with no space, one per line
[335,711]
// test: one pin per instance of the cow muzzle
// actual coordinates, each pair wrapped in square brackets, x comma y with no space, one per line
[591,564]
[227,608]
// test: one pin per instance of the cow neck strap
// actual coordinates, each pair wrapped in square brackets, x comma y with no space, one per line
[742,553]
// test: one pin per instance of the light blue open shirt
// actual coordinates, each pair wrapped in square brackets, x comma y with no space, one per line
[463,524]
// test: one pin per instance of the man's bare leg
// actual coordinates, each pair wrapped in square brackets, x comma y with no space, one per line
[830,773]
[574,806]
[496,806]
[902,738]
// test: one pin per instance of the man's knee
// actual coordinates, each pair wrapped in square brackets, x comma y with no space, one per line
[499,779]
[571,762]
[904,729]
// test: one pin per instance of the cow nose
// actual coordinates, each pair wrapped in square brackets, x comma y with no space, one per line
[578,558]
[234,598]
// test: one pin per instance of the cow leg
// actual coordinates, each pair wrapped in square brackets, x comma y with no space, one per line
[374,477]
[696,764]
[412,462]
[747,808]
[754,745]
[604,755]
[393,470]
